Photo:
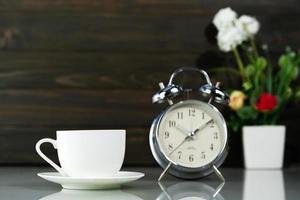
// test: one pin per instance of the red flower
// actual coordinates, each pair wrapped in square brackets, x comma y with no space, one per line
[266,102]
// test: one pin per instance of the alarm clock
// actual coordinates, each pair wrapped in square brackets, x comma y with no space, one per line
[189,138]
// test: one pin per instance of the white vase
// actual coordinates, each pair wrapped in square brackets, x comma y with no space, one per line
[263,146]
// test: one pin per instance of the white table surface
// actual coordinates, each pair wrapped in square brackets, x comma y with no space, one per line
[22,183]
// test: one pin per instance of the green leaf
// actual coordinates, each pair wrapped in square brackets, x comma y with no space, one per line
[259,77]
[235,126]
[295,72]
[250,70]
[297,93]
[247,85]
[284,60]
[261,63]
[288,72]
[247,113]
[234,123]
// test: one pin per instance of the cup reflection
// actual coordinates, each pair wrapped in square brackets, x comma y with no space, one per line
[263,184]
[190,191]
[91,195]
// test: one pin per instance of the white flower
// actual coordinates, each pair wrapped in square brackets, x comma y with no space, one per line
[229,38]
[249,24]
[233,31]
[243,34]
[225,18]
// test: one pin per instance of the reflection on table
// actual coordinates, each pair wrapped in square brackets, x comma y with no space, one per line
[263,184]
[182,190]
[22,183]
[190,191]
[91,195]
[240,185]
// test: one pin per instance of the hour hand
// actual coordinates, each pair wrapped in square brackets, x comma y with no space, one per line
[182,130]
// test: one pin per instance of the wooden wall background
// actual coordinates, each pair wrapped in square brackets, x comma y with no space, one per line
[88,64]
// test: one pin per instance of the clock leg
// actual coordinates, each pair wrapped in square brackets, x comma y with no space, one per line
[220,187]
[165,191]
[218,173]
[164,172]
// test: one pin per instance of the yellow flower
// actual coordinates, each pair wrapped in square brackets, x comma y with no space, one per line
[237,99]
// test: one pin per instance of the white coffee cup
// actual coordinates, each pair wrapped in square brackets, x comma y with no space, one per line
[87,153]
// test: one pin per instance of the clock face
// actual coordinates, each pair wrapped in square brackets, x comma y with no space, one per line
[191,134]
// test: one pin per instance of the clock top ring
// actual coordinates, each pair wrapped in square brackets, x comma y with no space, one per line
[172,90]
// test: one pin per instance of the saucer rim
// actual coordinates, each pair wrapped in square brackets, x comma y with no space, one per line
[57,175]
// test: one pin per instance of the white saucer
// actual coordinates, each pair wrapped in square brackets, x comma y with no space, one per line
[91,183]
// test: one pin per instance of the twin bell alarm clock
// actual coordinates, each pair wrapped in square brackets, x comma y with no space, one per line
[189,138]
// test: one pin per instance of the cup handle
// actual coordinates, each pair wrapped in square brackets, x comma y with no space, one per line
[38,150]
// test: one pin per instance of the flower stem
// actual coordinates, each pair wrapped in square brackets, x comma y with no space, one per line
[239,62]
[248,54]
[252,41]
[265,117]
[269,80]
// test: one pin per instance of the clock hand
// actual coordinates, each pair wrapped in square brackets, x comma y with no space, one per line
[201,127]
[182,130]
[185,139]
[190,135]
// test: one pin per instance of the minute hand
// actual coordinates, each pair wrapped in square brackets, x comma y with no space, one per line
[201,127]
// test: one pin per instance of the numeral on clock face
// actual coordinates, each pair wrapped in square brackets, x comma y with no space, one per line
[211,147]
[191,158]
[179,154]
[167,134]
[172,123]
[179,115]
[203,155]
[192,112]
[216,135]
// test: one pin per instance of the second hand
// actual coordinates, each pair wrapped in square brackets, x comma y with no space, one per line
[185,139]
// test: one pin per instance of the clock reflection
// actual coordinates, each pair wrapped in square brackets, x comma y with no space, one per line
[190,191]
[91,195]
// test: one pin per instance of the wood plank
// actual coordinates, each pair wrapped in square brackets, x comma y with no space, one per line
[93,32]
[66,108]
[145,7]
[90,70]
[17,145]
[82,32]
[34,70]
